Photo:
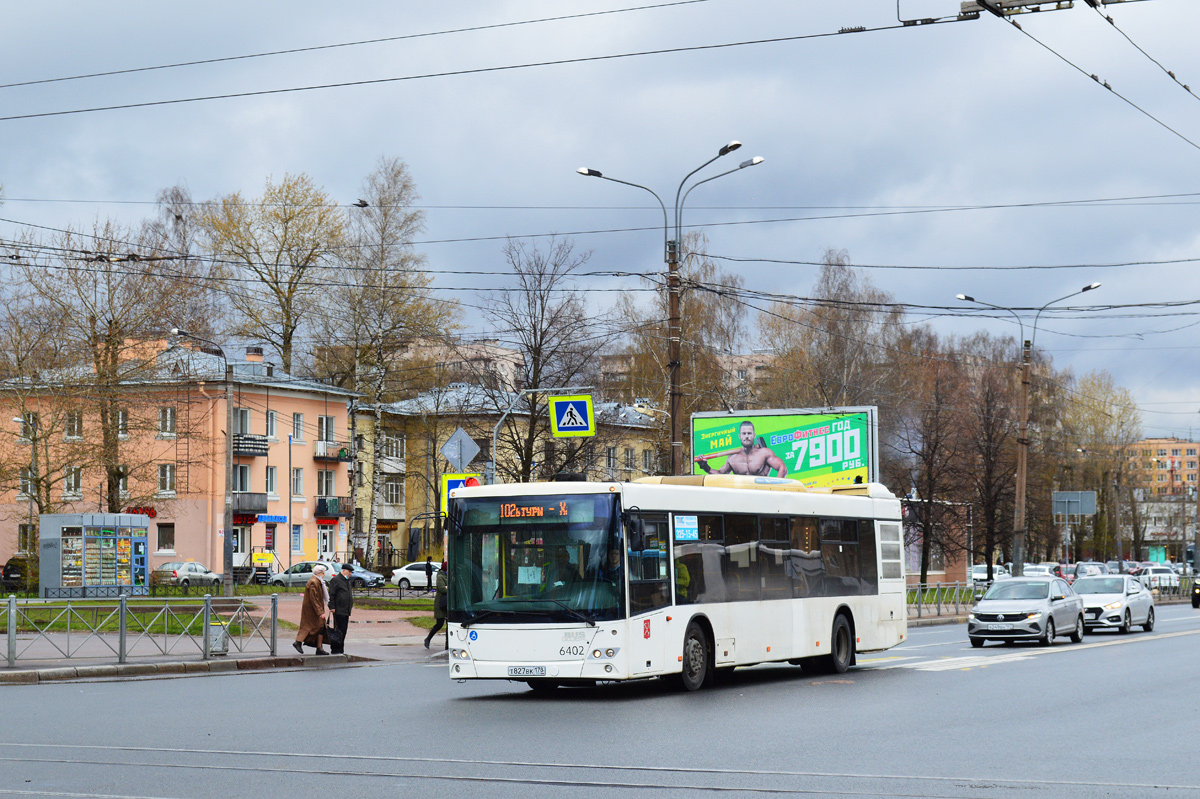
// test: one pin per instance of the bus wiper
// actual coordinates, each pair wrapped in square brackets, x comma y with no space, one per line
[484,614]
[572,611]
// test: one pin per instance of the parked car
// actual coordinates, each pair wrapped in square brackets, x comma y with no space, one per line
[20,573]
[359,577]
[299,573]
[1036,570]
[1159,576]
[183,573]
[1115,600]
[1085,568]
[1057,569]
[1026,609]
[413,575]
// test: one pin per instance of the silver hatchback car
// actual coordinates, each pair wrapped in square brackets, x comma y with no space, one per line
[1027,609]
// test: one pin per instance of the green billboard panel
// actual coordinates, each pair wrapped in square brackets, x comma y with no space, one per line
[820,447]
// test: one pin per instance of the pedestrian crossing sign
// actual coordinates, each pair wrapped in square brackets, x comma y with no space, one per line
[572,417]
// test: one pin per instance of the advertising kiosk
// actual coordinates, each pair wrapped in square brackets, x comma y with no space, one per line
[94,555]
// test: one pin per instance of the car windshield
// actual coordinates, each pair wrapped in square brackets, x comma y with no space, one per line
[1016,589]
[1099,585]
[533,558]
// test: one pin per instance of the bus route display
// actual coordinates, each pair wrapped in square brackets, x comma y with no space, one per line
[94,555]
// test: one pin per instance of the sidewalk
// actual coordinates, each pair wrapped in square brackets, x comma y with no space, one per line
[374,636]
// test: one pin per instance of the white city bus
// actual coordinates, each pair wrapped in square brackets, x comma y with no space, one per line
[569,583]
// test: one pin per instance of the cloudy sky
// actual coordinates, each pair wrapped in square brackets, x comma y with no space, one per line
[967,148]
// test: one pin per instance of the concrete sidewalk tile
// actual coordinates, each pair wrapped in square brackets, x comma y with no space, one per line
[54,675]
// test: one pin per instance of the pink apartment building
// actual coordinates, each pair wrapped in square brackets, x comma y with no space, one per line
[292,497]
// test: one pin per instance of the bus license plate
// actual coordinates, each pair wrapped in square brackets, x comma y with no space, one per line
[1000,626]
[526,671]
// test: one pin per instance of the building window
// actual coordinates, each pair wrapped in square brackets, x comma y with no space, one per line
[26,538]
[273,480]
[73,483]
[166,537]
[297,482]
[630,458]
[29,425]
[393,447]
[297,427]
[166,478]
[1162,453]
[166,421]
[1175,453]
[393,490]
[610,457]
[241,421]
[1191,452]
[74,425]
[1191,464]
[241,478]
[325,483]
[123,422]
[648,461]
[1162,478]
[25,482]
[741,374]
[325,428]
[296,538]
[272,424]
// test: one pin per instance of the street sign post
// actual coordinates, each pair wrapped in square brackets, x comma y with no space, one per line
[459,450]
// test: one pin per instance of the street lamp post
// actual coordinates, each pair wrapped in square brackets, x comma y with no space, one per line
[1018,545]
[227,577]
[31,421]
[671,256]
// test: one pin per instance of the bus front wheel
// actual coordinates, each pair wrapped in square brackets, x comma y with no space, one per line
[695,658]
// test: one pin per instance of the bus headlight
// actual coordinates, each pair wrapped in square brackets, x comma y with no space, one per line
[460,654]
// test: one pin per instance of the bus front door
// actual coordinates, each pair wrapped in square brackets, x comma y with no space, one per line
[649,595]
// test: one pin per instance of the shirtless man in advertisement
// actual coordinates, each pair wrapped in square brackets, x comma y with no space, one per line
[754,458]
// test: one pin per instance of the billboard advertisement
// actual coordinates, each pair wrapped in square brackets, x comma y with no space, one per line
[821,447]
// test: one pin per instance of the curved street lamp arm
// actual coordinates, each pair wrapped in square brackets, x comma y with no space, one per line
[1020,324]
[661,204]
[680,189]
[1086,288]
[679,203]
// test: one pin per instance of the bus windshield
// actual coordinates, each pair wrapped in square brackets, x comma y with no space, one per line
[536,558]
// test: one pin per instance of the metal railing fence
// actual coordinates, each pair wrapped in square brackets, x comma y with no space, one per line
[79,628]
[957,598]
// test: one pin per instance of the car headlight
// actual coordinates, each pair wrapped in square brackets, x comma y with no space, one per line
[1033,615]
[971,616]
[1113,606]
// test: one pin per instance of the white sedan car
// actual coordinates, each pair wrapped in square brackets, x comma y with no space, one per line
[1159,577]
[413,575]
[1115,600]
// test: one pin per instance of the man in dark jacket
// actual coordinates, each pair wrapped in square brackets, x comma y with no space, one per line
[341,600]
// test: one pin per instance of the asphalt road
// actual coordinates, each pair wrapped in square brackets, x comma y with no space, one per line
[1116,716]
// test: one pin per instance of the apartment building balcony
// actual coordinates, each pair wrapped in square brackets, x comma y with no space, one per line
[331,451]
[246,445]
[249,503]
[335,506]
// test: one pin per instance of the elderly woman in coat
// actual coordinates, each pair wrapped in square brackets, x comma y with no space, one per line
[313,613]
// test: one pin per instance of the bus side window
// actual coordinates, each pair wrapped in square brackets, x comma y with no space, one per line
[774,557]
[839,550]
[807,568]
[742,581]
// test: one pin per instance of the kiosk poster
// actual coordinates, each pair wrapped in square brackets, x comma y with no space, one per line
[819,447]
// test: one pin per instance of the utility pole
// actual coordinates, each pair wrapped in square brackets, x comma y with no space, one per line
[675,407]
[1022,459]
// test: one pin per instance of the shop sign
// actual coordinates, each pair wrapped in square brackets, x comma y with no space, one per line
[241,518]
[144,511]
[332,521]
[262,517]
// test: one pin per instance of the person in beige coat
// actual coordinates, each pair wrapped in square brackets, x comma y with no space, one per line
[314,612]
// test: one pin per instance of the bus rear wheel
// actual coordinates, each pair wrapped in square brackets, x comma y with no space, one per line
[695,658]
[841,653]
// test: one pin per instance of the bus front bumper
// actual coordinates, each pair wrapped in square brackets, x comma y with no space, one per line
[464,667]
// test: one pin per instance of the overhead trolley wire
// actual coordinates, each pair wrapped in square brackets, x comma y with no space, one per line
[315,48]
[472,71]
[1108,18]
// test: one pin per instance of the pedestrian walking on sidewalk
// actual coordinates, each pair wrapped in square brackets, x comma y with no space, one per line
[341,600]
[439,605]
[313,613]
[429,572]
